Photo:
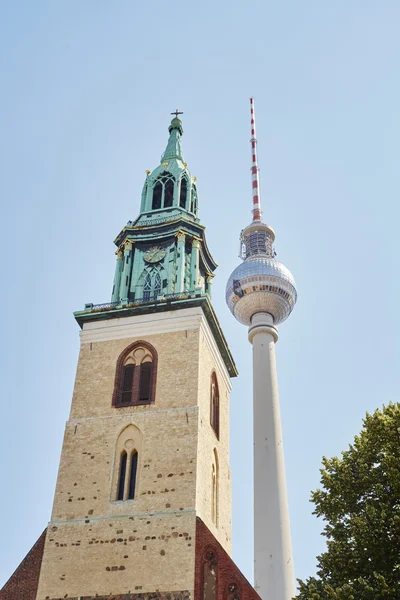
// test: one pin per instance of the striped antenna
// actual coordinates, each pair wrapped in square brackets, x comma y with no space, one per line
[254,166]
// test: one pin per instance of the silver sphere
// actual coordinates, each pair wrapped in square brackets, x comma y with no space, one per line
[261,284]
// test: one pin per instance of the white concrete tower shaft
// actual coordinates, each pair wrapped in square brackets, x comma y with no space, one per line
[261,293]
[273,562]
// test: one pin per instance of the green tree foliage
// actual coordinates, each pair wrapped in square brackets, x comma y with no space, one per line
[360,502]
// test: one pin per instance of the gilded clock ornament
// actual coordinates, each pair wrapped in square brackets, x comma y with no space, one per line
[154,254]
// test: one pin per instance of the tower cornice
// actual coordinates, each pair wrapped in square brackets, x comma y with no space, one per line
[109,311]
[158,227]
[164,231]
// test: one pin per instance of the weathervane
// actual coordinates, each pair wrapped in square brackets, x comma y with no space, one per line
[176,113]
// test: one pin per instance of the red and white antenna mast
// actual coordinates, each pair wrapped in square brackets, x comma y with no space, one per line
[254,166]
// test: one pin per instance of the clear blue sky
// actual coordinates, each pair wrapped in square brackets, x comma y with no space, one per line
[86,92]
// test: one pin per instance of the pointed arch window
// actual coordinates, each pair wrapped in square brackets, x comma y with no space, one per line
[168,192]
[214,404]
[127,476]
[135,378]
[215,488]
[127,383]
[145,382]
[152,284]
[213,493]
[163,191]
[147,288]
[122,475]
[183,194]
[157,285]
[157,195]
[209,575]
[234,591]
[126,464]
[193,203]
[132,475]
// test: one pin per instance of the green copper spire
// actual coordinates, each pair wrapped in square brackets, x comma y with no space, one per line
[162,259]
[169,191]
[174,146]
[164,251]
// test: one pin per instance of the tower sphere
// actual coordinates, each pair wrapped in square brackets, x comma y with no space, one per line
[260,283]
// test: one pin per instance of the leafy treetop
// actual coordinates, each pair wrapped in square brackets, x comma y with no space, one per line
[360,502]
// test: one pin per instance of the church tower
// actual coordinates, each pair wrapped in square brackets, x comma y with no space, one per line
[142,506]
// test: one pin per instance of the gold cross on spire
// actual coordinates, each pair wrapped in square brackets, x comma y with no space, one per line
[176,113]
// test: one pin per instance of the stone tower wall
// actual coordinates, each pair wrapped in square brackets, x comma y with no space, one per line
[96,545]
[210,448]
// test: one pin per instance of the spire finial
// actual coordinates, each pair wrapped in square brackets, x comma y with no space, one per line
[254,166]
[176,123]
[174,146]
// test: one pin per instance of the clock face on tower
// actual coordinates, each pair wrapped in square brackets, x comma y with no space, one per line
[154,254]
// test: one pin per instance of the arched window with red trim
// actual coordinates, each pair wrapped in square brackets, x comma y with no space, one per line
[135,377]
[128,373]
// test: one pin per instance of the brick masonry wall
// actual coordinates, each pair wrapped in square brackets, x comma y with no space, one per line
[184,595]
[227,572]
[23,583]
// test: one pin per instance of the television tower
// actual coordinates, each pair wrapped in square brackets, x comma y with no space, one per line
[261,293]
